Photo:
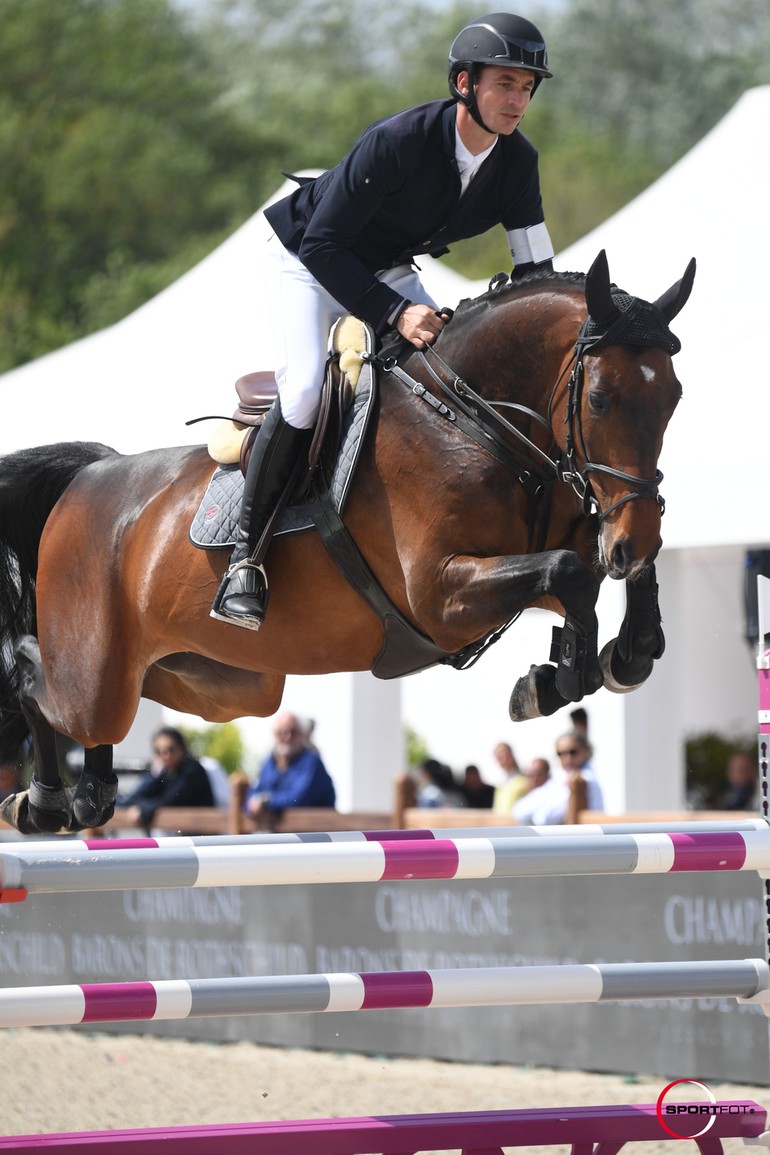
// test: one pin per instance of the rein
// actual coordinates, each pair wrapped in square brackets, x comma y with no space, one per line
[481,420]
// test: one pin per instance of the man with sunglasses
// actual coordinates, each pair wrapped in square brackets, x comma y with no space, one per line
[548,804]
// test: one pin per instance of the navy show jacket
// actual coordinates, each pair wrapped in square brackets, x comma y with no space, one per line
[396,195]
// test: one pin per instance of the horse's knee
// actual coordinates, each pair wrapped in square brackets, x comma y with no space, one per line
[576,587]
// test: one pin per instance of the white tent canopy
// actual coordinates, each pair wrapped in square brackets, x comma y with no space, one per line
[713,205]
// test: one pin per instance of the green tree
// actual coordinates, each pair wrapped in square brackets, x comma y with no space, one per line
[136,134]
[656,76]
[114,152]
[223,742]
[706,758]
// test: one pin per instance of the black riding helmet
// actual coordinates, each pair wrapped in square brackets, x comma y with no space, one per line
[499,38]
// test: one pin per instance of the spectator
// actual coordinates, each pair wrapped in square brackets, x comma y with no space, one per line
[436,786]
[515,784]
[293,775]
[547,805]
[175,778]
[537,773]
[742,781]
[477,793]
[579,719]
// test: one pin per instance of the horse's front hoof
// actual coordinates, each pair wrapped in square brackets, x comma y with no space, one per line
[535,695]
[613,678]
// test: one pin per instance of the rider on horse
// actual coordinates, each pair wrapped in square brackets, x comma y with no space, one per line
[346,242]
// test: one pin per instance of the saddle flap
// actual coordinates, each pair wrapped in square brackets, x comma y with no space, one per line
[352,342]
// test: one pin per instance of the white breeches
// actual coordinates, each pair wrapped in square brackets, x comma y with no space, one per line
[301,316]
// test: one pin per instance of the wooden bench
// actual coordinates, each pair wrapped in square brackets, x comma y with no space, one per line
[601,818]
[404,816]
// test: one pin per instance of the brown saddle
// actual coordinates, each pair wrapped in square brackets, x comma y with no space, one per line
[257,392]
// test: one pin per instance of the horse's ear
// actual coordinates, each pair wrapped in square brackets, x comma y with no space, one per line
[675,298]
[601,307]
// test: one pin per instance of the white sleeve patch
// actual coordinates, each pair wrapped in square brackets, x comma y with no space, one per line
[530,246]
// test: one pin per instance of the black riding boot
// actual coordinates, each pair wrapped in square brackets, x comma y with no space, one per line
[275,463]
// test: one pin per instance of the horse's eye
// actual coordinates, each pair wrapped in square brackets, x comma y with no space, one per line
[599,403]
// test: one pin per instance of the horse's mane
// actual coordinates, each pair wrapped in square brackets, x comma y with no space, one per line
[469,306]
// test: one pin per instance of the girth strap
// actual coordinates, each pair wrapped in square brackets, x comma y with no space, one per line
[405,650]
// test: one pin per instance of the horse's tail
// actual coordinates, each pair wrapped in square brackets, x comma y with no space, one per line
[31,483]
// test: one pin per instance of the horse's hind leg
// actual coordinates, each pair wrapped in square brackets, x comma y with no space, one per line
[96,791]
[48,806]
[45,806]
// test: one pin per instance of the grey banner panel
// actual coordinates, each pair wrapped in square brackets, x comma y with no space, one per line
[680,980]
[575,855]
[260,996]
[204,933]
[117,870]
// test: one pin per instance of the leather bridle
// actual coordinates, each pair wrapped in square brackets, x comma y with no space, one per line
[468,406]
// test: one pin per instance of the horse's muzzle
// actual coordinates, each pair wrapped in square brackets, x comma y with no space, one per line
[620,558]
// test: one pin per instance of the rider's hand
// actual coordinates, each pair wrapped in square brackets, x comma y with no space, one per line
[420,324]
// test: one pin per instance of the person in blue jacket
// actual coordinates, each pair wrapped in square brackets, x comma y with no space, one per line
[346,242]
[293,775]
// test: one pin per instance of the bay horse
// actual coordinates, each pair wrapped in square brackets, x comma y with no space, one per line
[514,464]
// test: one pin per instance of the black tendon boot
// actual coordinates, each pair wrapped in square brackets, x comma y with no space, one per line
[274,467]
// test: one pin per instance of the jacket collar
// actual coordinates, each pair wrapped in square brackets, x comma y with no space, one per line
[449,124]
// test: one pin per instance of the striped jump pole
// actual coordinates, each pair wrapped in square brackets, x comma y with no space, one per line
[66,845]
[763,718]
[68,1005]
[27,870]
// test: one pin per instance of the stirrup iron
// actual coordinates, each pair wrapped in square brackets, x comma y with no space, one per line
[249,619]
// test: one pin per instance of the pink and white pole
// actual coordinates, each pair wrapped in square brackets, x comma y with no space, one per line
[71,1004]
[115,867]
[763,679]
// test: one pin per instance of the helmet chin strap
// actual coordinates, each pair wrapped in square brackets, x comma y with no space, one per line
[469,99]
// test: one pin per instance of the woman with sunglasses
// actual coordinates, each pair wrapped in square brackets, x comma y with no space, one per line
[175,778]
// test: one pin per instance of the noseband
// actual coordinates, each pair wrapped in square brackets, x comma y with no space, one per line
[635,322]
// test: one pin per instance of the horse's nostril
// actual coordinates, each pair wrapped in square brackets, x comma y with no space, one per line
[622,555]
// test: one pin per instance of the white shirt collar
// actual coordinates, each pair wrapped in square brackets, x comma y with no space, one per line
[469,163]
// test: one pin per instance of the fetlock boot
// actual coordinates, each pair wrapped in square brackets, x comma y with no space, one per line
[274,467]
